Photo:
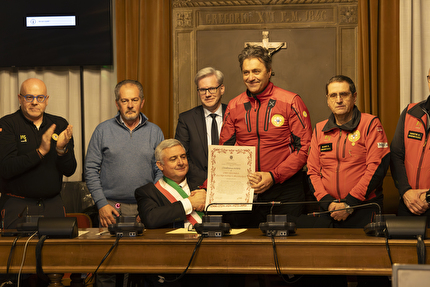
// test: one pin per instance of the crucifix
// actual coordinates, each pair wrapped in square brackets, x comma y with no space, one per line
[271,46]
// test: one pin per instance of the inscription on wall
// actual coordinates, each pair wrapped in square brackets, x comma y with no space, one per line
[262,17]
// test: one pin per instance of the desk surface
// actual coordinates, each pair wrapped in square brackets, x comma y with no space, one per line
[310,251]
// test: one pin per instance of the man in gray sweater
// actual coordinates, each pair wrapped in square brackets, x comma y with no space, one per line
[120,158]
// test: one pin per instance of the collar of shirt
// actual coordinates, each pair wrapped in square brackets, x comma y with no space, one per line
[185,187]
[218,112]
[140,119]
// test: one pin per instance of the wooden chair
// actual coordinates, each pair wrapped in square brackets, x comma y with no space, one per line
[84,221]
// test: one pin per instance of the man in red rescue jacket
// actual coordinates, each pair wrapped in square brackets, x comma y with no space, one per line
[348,158]
[410,160]
[278,124]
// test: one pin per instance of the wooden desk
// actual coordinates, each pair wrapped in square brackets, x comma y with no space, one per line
[311,251]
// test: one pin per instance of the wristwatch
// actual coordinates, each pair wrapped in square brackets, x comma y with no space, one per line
[428,196]
[348,209]
[62,151]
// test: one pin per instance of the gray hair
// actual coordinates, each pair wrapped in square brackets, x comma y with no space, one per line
[163,145]
[128,82]
[209,71]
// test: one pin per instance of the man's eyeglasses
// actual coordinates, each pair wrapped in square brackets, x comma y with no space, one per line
[342,95]
[30,98]
[210,90]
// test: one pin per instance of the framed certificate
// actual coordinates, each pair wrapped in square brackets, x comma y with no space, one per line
[228,187]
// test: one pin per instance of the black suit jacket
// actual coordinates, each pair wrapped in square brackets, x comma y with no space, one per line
[191,132]
[155,210]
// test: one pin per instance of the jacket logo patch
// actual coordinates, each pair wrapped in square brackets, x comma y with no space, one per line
[418,124]
[305,114]
[277,120]
[326,147]
[327,138]
[382,145]
[23,138]
[415,135]
[355,136]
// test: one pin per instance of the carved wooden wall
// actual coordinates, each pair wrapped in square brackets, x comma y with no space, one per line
[321,40]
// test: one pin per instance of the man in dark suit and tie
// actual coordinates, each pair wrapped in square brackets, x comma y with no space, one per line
[201,126]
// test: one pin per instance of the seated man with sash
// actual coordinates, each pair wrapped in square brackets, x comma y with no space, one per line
[170,203]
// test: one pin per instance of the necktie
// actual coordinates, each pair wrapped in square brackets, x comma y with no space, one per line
[214,131]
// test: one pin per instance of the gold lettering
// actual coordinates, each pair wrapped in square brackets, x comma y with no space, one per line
[260,17]
[295,17]
[208,19]
[214,19]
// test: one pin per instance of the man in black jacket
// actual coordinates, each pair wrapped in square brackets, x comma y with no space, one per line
[36,150]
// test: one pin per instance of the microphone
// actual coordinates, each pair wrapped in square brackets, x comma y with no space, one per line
[348,208]
[276,224]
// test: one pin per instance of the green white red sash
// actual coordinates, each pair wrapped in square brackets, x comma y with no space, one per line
[173,192]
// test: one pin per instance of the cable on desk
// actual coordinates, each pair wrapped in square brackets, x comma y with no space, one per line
[90,279]
[8,281]
[39,269]
[387,246]
[277,266]
[11,253]
[23,257]
[421,250]
[162,279]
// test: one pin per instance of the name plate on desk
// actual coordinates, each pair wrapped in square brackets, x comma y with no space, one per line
[228,182]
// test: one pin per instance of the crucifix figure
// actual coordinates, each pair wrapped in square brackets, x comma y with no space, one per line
[271,46]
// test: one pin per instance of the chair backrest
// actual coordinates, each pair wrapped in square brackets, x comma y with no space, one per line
[84,221]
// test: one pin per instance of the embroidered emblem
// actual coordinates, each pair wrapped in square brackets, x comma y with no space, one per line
[278,120]
[326,147]
[382,145]
[305,114]
[327,138]
[23,138]
[415,135]
[355,136]
[418,124]
[55,137]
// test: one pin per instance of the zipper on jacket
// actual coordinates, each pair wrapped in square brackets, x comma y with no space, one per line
[421,162]
[248,108]
[338,163]
[257,101]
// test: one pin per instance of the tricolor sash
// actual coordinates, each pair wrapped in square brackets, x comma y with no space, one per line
[173,192]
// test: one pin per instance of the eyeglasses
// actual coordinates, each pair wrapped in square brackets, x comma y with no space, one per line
[30,98]
[342,95]
[210,90]
[428,79]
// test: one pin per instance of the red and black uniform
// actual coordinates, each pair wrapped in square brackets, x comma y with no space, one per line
[278,124]
[410,160]
[349,162]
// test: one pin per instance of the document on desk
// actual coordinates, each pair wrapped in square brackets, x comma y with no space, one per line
[228,170]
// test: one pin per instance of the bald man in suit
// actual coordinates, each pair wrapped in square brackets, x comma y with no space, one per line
[194,129]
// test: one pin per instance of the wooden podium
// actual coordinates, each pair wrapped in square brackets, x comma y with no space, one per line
[310,251]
